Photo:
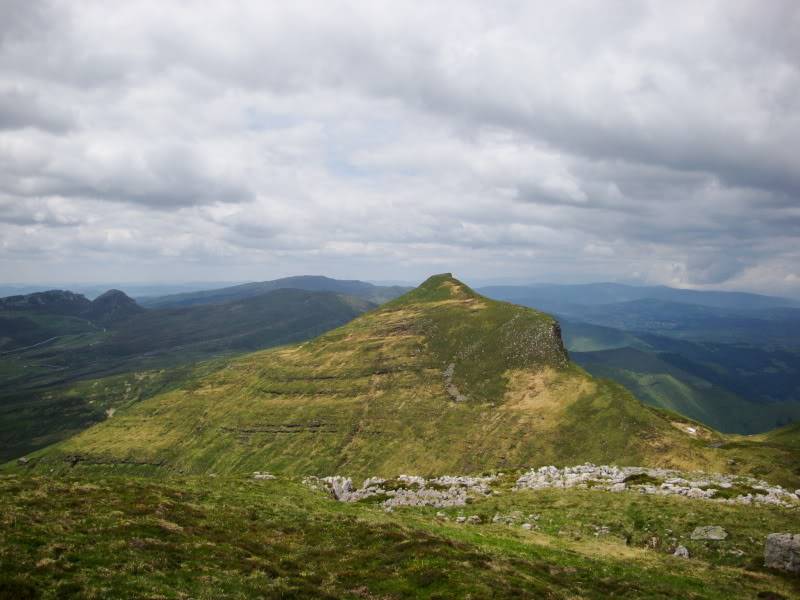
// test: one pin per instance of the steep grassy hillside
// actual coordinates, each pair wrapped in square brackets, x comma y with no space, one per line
[439,380]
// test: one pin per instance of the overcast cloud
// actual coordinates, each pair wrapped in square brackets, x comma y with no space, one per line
[650,142]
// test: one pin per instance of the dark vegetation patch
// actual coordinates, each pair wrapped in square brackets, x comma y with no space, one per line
[642,479]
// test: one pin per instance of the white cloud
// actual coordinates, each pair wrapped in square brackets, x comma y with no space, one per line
[652,141]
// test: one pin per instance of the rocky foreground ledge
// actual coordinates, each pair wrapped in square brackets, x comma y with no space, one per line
[444,491]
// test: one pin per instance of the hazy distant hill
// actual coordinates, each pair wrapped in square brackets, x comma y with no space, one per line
[42,317]
[359,289]
[550,295]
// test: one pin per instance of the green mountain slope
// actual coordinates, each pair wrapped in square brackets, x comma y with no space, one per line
[166,337]
[439,380]
[658,382]
[54,389]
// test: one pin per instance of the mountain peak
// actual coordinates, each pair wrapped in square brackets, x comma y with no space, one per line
[113,305]
[438,288]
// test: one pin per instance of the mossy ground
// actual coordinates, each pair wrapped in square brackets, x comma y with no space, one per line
[124,536]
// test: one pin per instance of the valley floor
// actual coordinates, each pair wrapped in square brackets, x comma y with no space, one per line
[91,535]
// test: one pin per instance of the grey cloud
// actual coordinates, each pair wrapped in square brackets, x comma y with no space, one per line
[19,109]
[709,268]
[25,212]
[161,176]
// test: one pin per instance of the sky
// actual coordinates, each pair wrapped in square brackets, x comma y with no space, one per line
[640,142]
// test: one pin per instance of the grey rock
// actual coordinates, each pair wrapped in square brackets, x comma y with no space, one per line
[782,551]
[341,487]
[262,475]
[461,519]
[681,552]
[23,460]
[473,520]
[709,532]
[601,530]
[527,526]
[702,486]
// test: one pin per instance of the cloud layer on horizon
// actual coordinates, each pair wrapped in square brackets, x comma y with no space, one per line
[653,142]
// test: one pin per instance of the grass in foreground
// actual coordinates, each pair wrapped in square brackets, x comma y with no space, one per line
[132,537]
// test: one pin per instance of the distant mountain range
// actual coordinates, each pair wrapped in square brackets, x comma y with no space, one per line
[312,283]
[549,296]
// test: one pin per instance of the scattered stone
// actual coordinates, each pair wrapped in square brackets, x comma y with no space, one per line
[449,386]
[601,530]
[527,526]
[413,490]
[709,532]
[508,519]
[474,520]
[442,516]
[461,519]
[681,552]
[341,487]
[257,475]
[782,551]
[662,482]
[23,460]
[448,490]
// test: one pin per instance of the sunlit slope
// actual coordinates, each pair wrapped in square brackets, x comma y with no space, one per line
[439,380]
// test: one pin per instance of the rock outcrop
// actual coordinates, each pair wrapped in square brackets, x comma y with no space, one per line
[729,489]
[407,490]
[782,551]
